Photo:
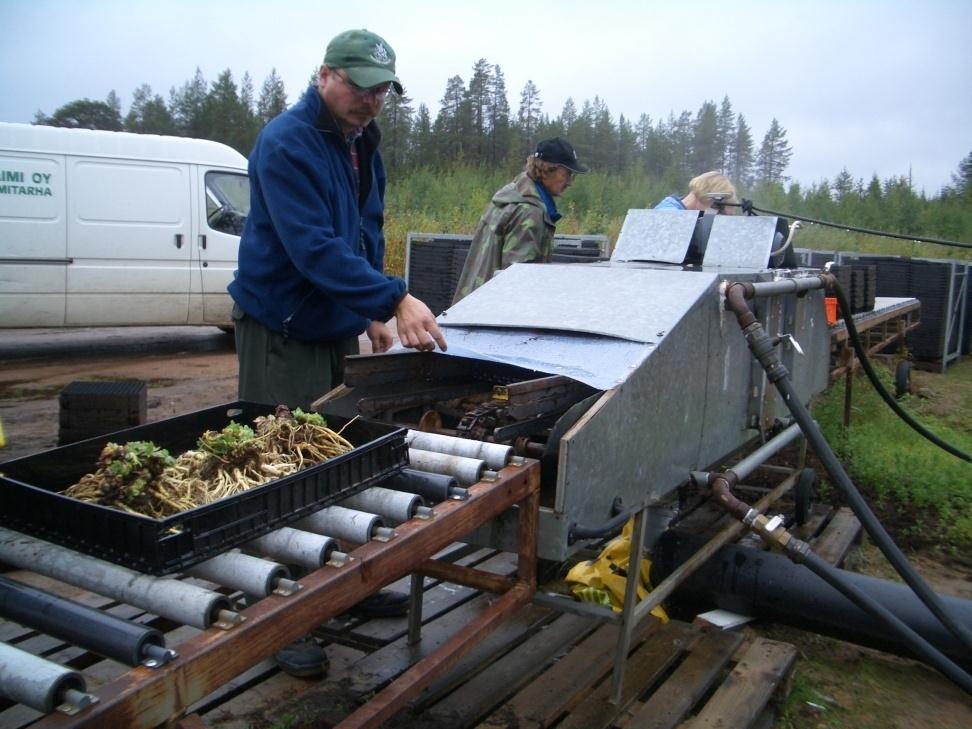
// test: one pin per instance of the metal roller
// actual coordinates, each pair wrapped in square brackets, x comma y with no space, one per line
[37,682]
[173,599]
[396,506]
[433,487]
[493,454]
[294,546]
[349,525]
[466,471]
[252,575]
[80,625]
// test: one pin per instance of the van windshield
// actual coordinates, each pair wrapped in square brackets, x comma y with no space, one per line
[227,201]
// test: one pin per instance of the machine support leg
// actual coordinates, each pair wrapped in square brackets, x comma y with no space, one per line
[415,608]
[630,621]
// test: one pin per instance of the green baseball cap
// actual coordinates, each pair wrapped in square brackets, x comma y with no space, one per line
[365,57]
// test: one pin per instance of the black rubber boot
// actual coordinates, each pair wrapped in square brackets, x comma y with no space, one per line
[303,658]
[384,604]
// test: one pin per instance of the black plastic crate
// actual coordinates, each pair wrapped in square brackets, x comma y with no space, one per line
[31,502]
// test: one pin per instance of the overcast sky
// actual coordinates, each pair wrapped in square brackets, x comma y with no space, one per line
[876,87]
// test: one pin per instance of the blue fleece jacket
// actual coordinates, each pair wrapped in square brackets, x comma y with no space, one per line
[671,203]
[312,252]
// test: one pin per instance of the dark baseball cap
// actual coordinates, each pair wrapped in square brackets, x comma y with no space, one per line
[365,57]
[559,152]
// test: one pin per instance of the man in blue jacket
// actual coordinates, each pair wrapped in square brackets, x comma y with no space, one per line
[310,277]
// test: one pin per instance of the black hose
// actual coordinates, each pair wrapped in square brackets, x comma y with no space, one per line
[764,350]
[876,610]
[855,338]
[870,522]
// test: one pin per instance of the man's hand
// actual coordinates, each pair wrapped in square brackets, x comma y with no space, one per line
[380,336]
[416,326]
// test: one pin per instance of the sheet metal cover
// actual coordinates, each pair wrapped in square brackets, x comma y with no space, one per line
[601,362]
[638,304]
[737,241]
[655,235]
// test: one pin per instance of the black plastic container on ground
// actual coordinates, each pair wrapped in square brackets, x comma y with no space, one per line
[88,409]
[31,502]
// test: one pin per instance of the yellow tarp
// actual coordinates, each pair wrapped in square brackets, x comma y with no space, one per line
[603,580]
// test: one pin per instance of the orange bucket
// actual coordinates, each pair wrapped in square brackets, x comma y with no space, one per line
[831,303]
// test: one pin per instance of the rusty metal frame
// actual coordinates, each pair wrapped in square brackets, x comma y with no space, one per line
[877,332]
[144,697]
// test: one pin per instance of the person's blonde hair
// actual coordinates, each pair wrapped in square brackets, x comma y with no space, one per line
[536,168]
[712,182]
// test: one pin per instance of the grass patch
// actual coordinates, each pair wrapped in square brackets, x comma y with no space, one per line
[921,492]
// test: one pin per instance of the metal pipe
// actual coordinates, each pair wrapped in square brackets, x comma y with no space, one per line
[252,575]
[433,487]
[395,506]
[173,599]
[789,285]
[466,471]
[750,463]
[294,546]
[495,455]
[349,525]
[81,625]
[36,682]
[769,586]
[764,350]
[667,586]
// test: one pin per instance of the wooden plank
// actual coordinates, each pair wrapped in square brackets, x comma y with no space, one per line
[382,666]
[648,662]
[498,643]
[568,682]
[689,683]
[506,675]
[838,537]
[743,696]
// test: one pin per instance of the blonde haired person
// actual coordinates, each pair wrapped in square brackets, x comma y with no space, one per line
[707,193]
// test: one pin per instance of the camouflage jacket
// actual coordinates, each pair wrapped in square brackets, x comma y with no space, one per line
[514,229]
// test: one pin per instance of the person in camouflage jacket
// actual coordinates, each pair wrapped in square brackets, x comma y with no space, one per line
[518,226]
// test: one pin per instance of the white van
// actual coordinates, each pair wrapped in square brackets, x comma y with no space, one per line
[109,229]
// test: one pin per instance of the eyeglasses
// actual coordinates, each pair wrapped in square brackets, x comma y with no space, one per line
[570,173]
[377,92]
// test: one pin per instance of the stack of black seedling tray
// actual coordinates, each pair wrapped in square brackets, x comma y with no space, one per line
[31,502]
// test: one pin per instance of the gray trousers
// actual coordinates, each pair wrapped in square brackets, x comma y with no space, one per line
[276,370]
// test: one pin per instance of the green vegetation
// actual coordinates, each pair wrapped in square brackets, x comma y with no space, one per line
[919,491]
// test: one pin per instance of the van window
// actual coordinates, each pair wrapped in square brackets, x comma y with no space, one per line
[227,201]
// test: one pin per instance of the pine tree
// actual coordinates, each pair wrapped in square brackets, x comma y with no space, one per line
[741,154]
[273,98]
[450,122]
[148,113]
[528,117]
[480,101]
[774,155]
[422,149]
[500,130]
[706,151]
[725,133]
[396,123]
[962,178]
[186,106]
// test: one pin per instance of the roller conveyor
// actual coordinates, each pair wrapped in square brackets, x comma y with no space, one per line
[213,656]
